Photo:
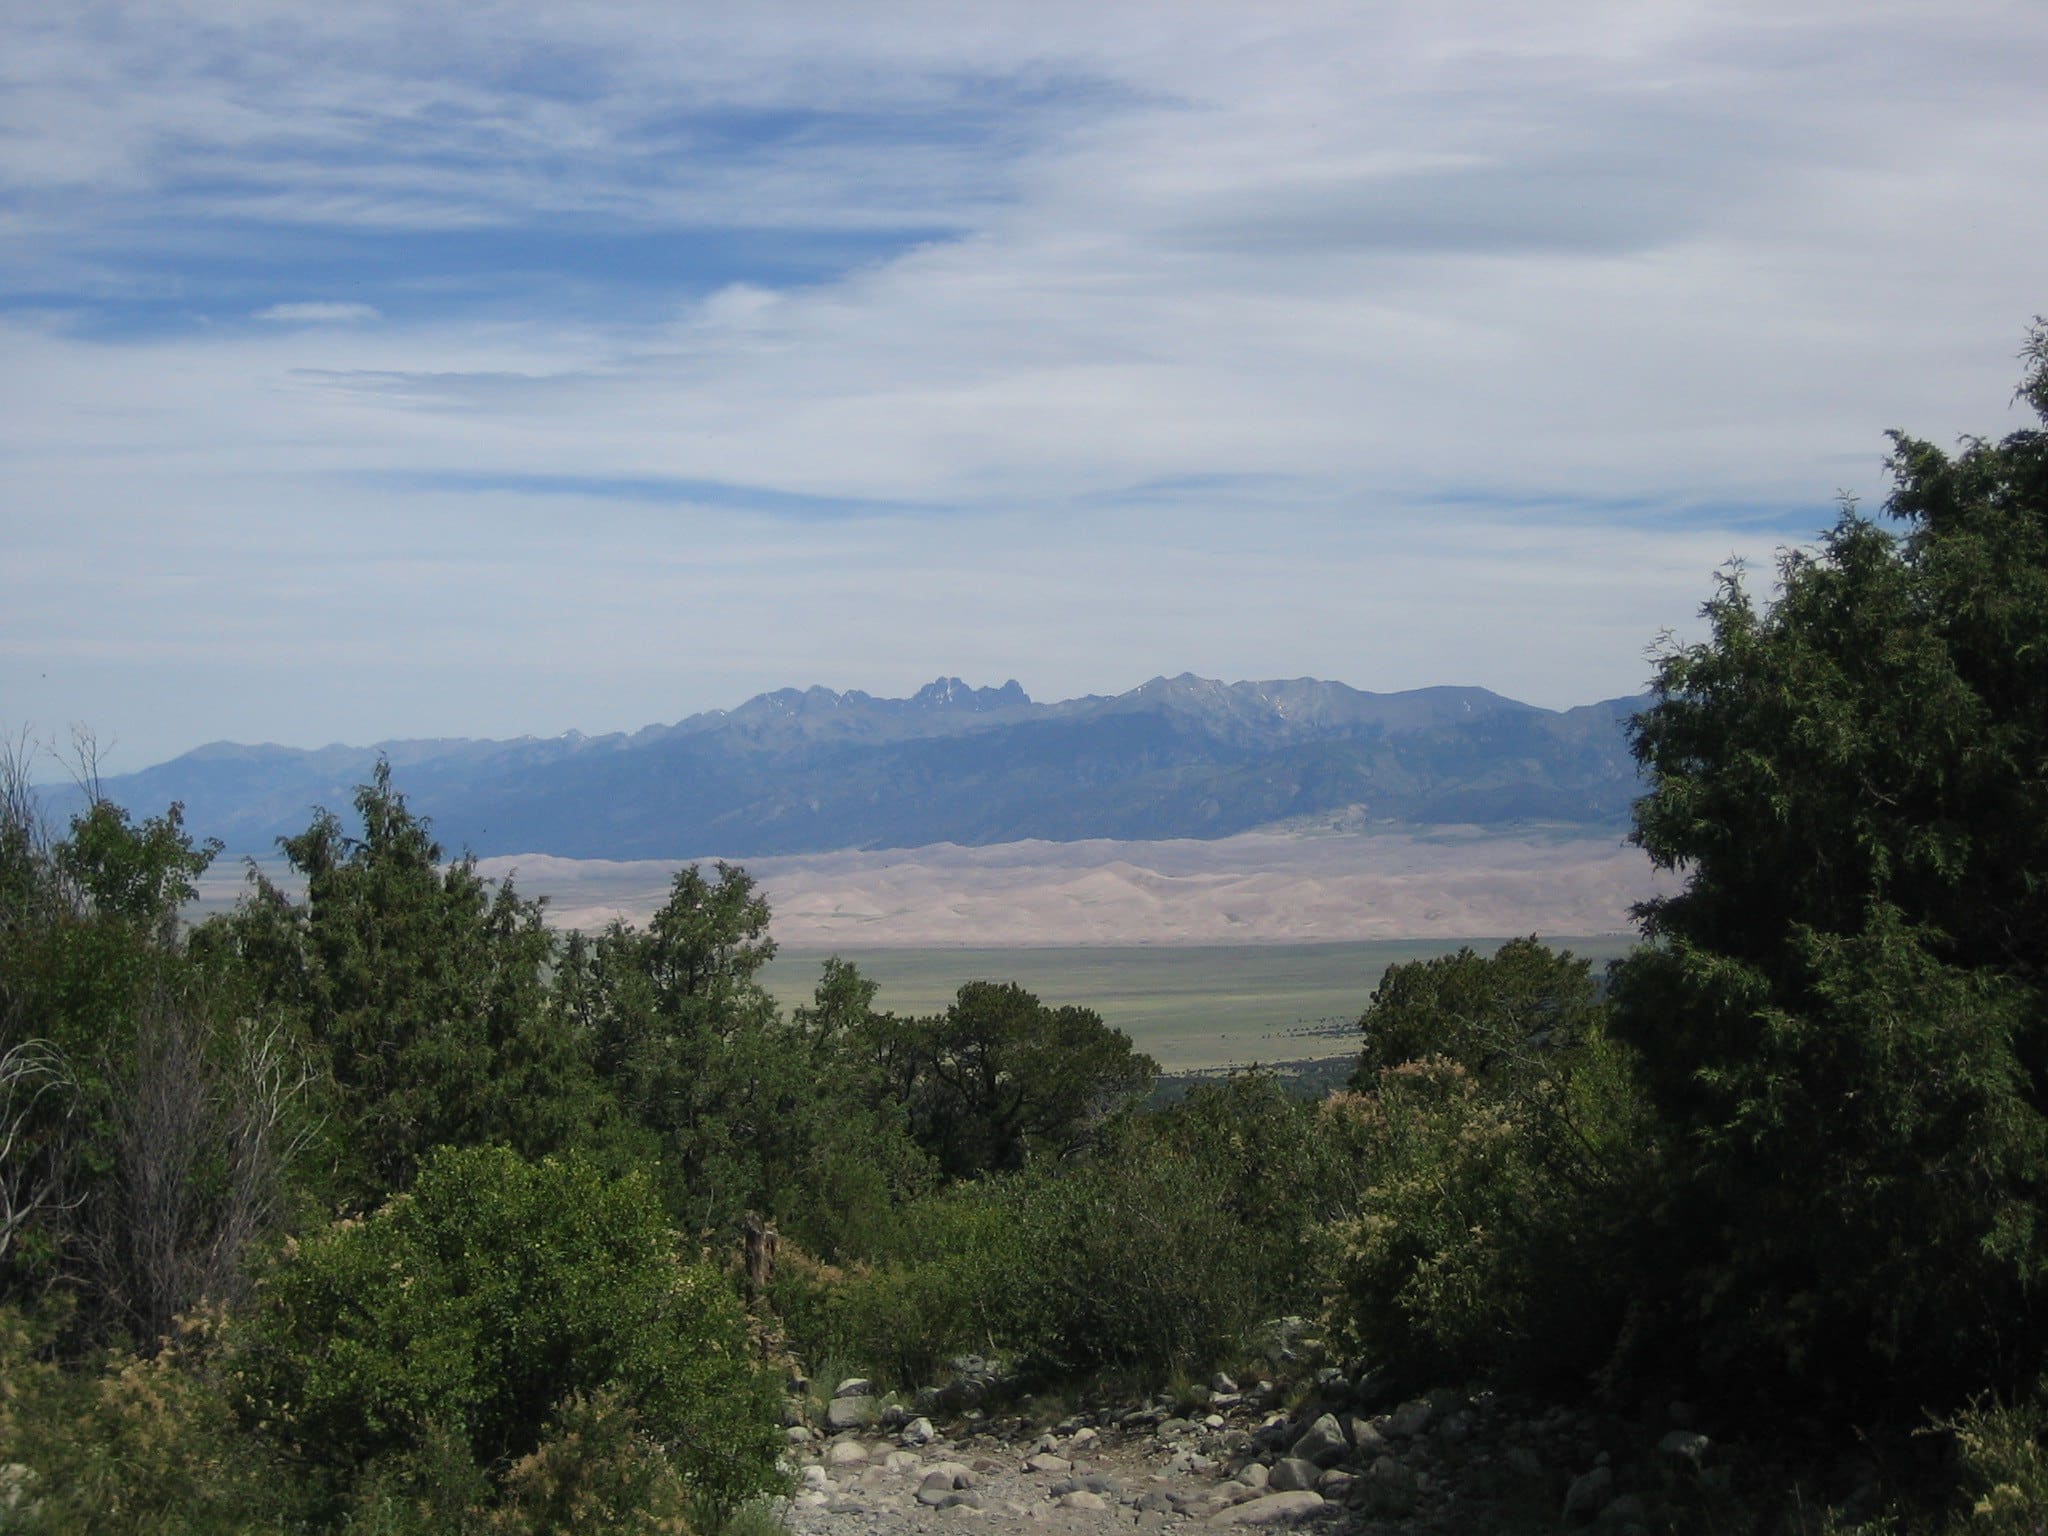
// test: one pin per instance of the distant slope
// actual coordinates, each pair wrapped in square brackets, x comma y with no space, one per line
[804,771]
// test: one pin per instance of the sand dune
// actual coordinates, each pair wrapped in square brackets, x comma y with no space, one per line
[1257,888]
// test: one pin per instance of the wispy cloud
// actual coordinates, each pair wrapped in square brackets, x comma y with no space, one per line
[713,350]
[318,312]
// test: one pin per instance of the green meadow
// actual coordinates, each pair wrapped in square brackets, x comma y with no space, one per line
[1191,1007]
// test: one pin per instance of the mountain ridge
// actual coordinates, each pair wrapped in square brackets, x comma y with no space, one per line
[810,770]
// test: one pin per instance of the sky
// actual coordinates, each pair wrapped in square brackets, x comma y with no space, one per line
[383,370]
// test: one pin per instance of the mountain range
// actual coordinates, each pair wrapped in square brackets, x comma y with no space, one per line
[809,770]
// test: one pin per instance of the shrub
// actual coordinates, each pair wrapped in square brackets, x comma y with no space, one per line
[130,1444]
[476,1305]
[1491,1227]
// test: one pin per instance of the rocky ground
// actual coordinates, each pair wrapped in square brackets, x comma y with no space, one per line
[1264,1454]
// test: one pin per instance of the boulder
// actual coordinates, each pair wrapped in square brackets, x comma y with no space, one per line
[1293,1475]
[1687,1447]
[1082,1498]
[1628,1509]
[1323,1442]
[845,1453]
[1588,1494]
[917,1432]
[849,1412]
[1045,1461]
[1410,1419]
[1272,1509]
[854,1386]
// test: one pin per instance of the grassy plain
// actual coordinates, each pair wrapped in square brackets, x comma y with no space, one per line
[1192,1007]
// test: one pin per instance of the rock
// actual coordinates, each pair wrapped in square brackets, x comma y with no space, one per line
[900,1462]
[854,1386]
[1221,1383]
[895,1416]
[1390,1474]
[942,1482]
[1588,1494]
[849,1412]
[1082,1498]
[1045,1461]
[1410,1419]
[1293,1475]
[917,1432]
[815,1478]
[1255,1474]
[845,1453]
[1173,1427]
[966,1498]
[812,1498]
[796,1434]
[1628,1509]
[1323,1442]
[1335,1483]
[1083,1440]
[1688,1447]
[1365,1440]
[1155,1503]
[1272,1509]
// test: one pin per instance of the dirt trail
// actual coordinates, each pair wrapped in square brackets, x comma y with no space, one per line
[1086,1482]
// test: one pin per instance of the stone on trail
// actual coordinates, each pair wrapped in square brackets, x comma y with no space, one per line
[1045,1461]
[1410,1419]
[1588,1494]
[1273,1509]
[1292,1474]
[1255,1474]
[1687,1447]
[900,1461]
[845,1453]
[947,1477]
[1323,1442]
[1082,1498]
[849,1412]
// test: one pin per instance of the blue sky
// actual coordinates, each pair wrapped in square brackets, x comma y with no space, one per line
[389,370]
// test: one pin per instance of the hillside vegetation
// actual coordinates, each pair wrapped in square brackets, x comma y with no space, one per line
[386,1209]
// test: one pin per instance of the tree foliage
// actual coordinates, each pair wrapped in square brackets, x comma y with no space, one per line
[1000,1078]
[420,985]
[1844,1019]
